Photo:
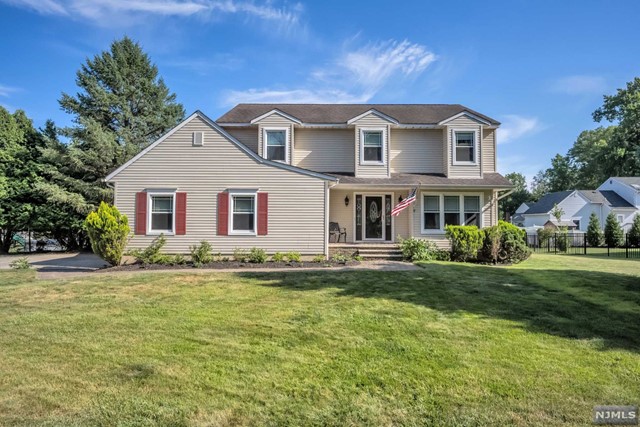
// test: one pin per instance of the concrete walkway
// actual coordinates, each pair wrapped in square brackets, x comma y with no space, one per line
[61,265]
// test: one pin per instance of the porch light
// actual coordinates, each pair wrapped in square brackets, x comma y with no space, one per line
[346,200]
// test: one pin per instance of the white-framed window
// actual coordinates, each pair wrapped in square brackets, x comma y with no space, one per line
[372,146]
[440,210]
[275,144]
[620,218]
[243,215]
[464,147]
[161,212]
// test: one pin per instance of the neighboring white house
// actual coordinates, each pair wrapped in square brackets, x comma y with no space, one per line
[618,195]
[518,217]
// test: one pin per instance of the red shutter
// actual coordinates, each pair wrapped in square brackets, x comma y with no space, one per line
[223,214]
[181,213]
[263,214]
[141,213]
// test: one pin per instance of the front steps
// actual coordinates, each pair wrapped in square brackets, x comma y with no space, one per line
[368,251]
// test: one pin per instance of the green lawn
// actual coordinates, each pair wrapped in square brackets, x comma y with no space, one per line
[535,344]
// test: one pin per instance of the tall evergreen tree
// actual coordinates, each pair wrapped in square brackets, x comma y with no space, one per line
[122,106]
[634,232]
[613,234]
[594,231]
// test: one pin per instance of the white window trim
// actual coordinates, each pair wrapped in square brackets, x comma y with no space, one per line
[252,193]
[476,135]
[286,142]
[150,230]
[620,218]
[384,146]
[441,230]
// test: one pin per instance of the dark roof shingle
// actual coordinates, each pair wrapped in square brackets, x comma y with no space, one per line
[341,113]
[545,204]
[489,180]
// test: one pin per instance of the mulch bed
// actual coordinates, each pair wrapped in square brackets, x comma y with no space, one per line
[220,265]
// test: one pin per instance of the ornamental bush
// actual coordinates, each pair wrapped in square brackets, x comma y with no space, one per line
[613,235]
[422,250]
[151,254]
[594,235]
[504,243]
[466,241]
[201,254]
[108,232]
[257,256]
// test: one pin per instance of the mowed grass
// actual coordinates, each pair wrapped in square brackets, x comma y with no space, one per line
[539,343]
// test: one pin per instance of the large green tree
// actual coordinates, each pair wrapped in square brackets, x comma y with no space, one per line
[520,194]
[121,107]
[623,108]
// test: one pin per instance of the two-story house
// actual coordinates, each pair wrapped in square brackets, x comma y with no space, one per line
[275,176]
[620,195]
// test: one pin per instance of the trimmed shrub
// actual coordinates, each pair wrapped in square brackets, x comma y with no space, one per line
[514,247]
[151,254]
[21,263]
[294,257]
[278,257]
[422,250]
[201,254]
[613,235]
[491,244]
[240,255]
[634,233]
[594,234]
[257,256]
[108,232]
[504,243]
[466,241]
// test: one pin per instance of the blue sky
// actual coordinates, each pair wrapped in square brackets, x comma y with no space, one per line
[540,67]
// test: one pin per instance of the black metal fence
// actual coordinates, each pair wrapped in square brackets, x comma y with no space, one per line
[576,244]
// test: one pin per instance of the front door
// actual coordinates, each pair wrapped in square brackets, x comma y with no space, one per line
[374,217]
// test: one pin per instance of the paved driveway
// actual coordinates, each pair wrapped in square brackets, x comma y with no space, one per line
[67,262]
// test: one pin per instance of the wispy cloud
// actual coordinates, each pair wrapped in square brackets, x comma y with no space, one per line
[515,126]
[354,76]
[6,91]
[580,84]
[99,10]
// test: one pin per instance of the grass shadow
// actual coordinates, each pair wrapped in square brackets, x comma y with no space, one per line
[573,304]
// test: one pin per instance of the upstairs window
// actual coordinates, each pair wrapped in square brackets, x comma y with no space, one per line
[276,144]
[372,146]
[465,147]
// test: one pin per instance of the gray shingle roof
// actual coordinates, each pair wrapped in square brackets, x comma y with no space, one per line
[545,204]
[615,200]
[341,113]
[633,181]
[489,180]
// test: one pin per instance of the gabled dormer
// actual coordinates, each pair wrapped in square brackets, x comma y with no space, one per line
[464,139]
[372,142]
[275,135]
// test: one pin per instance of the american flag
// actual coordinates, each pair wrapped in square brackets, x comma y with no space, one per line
[406,202]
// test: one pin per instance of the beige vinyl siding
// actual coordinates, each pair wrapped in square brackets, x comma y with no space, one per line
[463,171]
[416,151]
[296,201]
[489,212]
[372,171]
[345,215]
[248,136]
[488,150]
[325,150]
[276,121]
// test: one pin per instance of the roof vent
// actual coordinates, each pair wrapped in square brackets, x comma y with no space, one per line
[198,139]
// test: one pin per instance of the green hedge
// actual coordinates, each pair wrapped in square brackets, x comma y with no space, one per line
[466,241]
[504,243]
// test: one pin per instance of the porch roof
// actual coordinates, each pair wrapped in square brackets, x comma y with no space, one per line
[488,180]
